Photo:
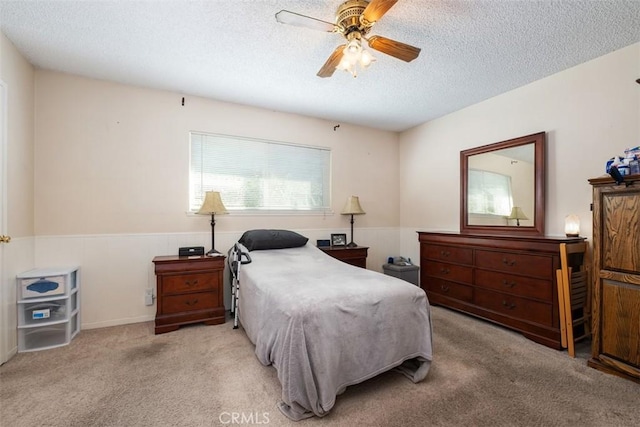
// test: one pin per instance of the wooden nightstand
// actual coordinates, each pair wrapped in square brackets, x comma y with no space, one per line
[190,290]
[355,256]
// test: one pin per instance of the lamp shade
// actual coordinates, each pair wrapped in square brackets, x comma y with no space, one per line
[212,204]
[572,226]
[352,207]
[516,213]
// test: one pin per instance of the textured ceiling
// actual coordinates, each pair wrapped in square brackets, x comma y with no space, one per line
[234,50]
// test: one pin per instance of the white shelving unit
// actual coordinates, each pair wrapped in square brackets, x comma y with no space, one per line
[48,307]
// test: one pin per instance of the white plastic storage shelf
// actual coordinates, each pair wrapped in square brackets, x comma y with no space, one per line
[48,307]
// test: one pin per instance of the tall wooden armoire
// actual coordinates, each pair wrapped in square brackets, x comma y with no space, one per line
[616,277]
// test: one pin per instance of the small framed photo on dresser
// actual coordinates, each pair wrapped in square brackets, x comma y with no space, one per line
[338,240]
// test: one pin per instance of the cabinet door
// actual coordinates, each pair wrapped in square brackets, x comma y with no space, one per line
[621,226]
[621,321]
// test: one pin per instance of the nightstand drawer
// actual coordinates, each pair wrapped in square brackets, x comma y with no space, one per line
[510,305]
[527,265]
[516,285]
[189,302]
[355,256]
[181,283]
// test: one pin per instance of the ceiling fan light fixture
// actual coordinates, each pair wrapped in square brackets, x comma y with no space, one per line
[353,47]
[354,57]
[354,20]
[366,58]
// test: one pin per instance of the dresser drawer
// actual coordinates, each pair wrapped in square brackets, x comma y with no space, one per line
[448,254]
[450,289]
[516,285]
[523,264]
[180,283]
[510,305]
[189,302]
[446,271]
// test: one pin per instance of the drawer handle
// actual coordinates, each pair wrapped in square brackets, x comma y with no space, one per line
[444,288]
[190,283]
[445,270]
[509,263]
[508,284]
[509,305]
[191,303]
[445,253]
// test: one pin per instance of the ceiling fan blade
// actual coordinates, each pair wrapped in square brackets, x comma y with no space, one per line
[292,18]
[330,66]
[396,49]
[376,9]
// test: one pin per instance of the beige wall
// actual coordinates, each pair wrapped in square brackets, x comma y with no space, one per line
[111,184]
[590,113]
[114,159]
[18,77]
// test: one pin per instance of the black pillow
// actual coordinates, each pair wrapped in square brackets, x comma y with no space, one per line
[255,240]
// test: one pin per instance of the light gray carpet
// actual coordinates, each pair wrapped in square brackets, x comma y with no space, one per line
[482,375]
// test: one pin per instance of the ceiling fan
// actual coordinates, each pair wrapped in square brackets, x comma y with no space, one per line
[354,20]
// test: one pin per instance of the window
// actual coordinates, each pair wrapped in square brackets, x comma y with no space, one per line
[489,193]
[258,175]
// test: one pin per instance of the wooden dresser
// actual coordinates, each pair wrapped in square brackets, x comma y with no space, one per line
[509,280]
[616,277]
[355,256]
[189,290]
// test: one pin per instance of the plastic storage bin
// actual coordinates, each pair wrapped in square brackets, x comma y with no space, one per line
[48,313]
[42,337]
[408,273]
[38,287]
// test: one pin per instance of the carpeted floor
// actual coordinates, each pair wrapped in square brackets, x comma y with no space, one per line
[482,375]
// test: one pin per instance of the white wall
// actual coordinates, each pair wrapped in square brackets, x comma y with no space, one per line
[590,113]
[112,184]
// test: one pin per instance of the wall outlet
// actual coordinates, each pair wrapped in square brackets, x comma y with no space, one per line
[148,297]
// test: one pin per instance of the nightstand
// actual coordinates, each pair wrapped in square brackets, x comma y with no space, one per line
[189,290]
[355,256]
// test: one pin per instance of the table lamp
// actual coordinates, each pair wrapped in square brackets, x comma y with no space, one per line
[212,205]
[352,208]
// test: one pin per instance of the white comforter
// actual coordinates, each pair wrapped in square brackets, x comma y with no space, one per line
[325,325]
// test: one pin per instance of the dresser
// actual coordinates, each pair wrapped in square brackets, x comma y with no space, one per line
[616,277]
[509,280]
[189,290]
[355,256]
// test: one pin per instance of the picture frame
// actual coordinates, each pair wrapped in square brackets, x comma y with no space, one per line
[338,239]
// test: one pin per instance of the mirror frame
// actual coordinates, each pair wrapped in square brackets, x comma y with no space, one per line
[539,141]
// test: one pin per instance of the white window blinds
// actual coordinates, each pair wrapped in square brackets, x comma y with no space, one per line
[258,175]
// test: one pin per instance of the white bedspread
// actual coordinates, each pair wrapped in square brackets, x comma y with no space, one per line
[325,325]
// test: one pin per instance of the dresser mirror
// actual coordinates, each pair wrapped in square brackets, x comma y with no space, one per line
[503,187]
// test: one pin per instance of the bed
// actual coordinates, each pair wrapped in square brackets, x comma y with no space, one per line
[324,324]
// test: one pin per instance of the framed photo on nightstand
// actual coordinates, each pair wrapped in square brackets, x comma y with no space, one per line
[338,240]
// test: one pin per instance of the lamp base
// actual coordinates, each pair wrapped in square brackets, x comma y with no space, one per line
[572,235]
[212,252]
[352,245]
